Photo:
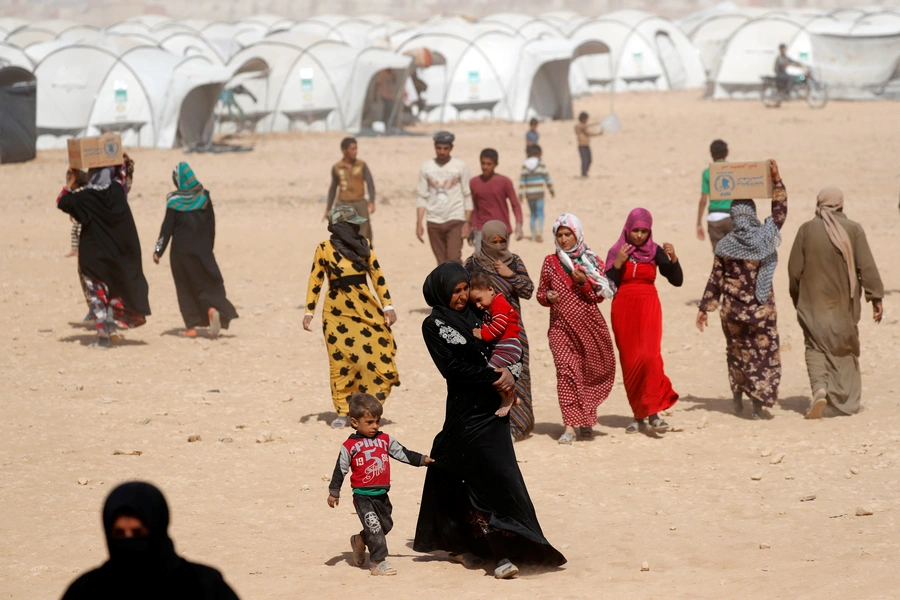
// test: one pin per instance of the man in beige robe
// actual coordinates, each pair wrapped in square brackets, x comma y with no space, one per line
[829,268]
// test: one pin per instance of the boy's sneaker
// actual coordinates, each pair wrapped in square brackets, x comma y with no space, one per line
[383,568]
[506,570]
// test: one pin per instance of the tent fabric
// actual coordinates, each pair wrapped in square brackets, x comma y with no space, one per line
[18,112]
[11,56]
[45,31]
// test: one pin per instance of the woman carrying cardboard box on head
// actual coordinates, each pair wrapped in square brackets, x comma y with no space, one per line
[742,279]
[109,251]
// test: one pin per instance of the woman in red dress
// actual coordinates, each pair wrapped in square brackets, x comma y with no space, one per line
[637,317]
[572,284]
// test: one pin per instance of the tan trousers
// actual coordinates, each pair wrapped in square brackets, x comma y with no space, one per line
[446,241]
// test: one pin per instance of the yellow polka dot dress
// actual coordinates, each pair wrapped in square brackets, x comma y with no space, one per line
[361,348]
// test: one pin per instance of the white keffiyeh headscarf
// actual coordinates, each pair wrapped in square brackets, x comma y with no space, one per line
[582,257]
[752,240]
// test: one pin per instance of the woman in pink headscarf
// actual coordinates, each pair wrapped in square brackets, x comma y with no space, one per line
[637,317]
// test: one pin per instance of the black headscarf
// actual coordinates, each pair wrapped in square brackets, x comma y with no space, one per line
[350,244]
[438,290]
[145,568]
[145,557]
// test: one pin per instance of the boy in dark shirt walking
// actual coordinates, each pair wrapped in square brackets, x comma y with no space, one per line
[366,455]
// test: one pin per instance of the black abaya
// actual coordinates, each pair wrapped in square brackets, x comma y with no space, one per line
[475,465]
[198,281]
[146,568]
[109,250]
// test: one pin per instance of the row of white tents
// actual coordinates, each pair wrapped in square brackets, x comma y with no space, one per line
[158,81]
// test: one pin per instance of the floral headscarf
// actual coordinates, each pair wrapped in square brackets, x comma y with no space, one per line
[581,257]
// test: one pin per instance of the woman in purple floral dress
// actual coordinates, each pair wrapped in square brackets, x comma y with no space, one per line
[742,277]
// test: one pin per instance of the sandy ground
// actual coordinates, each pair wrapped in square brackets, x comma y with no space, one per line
[250,497]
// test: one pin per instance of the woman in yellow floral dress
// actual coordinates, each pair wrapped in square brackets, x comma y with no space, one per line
[356,324]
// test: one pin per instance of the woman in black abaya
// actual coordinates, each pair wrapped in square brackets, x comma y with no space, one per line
[474,504]
[109,251]
[198,282]
[142,562]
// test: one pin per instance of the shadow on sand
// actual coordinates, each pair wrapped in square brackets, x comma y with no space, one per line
[88,339]
[797,404]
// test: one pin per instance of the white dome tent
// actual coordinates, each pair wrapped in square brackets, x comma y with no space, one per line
[749,55]
[647,52]
[711,37]
[316,83]
[113,83]
[858,61]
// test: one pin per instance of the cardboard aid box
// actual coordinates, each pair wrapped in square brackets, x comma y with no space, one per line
[90,152]
[736,181]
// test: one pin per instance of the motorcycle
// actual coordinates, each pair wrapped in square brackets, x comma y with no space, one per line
[803,86]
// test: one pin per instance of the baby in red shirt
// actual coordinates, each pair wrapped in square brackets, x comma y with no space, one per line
[500,326]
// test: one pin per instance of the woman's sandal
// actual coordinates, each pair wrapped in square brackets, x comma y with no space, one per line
[383,568]
[659,426]
[506,570]
[359,554]
[467,559]
[633,427]
[566,438]
[586,432]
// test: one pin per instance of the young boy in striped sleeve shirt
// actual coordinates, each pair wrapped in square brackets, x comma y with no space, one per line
[531,186]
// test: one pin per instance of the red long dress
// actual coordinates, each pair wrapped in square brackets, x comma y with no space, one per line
[637,324]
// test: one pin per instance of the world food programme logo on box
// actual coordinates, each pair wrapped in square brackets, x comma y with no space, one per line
[111,147]
[724,183]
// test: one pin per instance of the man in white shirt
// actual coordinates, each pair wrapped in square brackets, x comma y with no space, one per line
[445,201]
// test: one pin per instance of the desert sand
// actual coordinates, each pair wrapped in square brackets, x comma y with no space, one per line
[250,496]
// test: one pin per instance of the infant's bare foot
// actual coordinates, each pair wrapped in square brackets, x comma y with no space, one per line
[502,411]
